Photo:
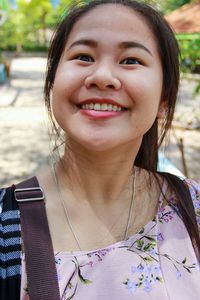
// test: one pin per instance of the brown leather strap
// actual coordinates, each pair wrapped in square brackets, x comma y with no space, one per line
[39,255]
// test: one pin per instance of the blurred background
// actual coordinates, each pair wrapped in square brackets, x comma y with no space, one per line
[26,27]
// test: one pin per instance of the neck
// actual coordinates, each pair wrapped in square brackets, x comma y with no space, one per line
[97,176]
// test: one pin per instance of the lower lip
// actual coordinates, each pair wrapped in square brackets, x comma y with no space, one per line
[95,114]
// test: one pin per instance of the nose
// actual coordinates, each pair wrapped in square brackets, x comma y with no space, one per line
[103,78]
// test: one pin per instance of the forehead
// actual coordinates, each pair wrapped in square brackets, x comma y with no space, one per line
[113,21]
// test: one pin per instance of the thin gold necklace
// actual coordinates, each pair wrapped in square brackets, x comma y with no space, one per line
[125,236]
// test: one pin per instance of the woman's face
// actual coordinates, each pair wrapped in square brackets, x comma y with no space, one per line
[107,89]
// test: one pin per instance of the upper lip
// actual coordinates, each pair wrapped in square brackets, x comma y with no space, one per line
[101,101]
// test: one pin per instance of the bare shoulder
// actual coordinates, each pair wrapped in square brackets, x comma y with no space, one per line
[44,176]
[46,181]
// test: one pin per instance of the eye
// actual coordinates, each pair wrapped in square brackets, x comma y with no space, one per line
[84,57]
[131,61]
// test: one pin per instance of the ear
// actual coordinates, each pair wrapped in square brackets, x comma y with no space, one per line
[162,110]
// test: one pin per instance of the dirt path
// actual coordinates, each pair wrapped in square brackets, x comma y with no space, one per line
[191,144]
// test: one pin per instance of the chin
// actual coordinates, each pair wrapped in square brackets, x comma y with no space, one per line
[98,146]
[94,143]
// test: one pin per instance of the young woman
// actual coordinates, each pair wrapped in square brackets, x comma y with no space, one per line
[120,229]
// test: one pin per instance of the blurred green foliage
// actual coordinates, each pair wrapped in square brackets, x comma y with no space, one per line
[29,26]
[26,27]
[169,5]
[190,52]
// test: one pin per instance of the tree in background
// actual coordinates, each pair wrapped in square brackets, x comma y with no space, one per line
[26,24]
[34,20]
[30,21]
[170,5]
[10,31]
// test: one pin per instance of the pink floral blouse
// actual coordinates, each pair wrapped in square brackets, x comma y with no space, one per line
[157,263]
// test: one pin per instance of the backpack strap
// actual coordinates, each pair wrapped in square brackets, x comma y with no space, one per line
[38,248]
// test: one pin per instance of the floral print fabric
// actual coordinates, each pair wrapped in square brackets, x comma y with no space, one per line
[156,263]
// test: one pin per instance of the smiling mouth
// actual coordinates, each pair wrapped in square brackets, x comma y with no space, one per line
[102,107]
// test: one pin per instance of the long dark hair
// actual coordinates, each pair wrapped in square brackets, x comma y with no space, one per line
[168,49]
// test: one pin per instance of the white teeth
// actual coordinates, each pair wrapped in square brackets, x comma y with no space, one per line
[101,107]
[91,106]
[110,107]
[97,106]
[104,106]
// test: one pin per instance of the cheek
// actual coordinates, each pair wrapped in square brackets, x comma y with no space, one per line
[64,77]
[69,73]
[56,103]
[145,95]
[63,88]
[148,84]
[144,82]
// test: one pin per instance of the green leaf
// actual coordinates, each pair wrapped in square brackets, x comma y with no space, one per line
[147,258]
[197,90]
[141,278]
[148,247]
[159,279]
[83,280]
[140,244]
[184,261]
[187,270]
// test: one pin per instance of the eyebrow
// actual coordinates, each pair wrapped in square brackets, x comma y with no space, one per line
[122,45]
[86,42]
[130,44]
